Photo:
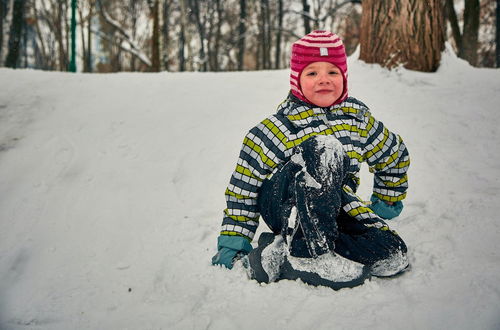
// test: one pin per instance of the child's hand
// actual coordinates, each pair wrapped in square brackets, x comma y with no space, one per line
[386,210]
[228,248]
[225,257]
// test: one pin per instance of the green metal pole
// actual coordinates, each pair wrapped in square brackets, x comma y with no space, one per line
[72,63]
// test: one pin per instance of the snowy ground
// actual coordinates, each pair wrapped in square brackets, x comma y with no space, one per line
[111,194]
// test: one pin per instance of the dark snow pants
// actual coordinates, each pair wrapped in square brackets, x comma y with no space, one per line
[312,182]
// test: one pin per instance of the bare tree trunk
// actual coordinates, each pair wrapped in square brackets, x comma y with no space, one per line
[468,51]
[195,8]
[16,31]
[25,41]
[402,32]
[133,18]
[44,61]
[182,44]
[215,53]
[242,32]
[2,15]
[498,34]
[262,56]
[89,34]
[155,67]
[182,36]
[278,35]
[455,29]
[116,60]
[350,29]
[267,29]
[82,29]
[306,16]
[165,32]
[66,32]
[210,17]
[63,65]
[466,42]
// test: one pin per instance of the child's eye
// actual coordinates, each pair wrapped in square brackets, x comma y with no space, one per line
[334,72]
[312,74]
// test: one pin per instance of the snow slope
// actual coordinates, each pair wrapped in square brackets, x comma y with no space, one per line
[111,195]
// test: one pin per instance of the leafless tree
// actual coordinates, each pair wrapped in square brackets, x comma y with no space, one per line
[86,12]
[497,33]
[3,14]
[242,32]
[279,32]
[155,37]
[16,30]
[165,30]
[264,36]
[467,40]
[306,16]
[198,10]
[215,37]
[194,34]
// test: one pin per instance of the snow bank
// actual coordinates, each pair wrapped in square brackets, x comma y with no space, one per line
[111,194]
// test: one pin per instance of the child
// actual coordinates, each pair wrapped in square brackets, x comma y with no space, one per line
[299,170]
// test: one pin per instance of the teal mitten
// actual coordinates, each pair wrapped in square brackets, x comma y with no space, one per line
[384,210]
[228,247]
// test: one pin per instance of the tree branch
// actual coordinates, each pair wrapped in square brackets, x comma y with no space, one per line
[140,55]
[132,48]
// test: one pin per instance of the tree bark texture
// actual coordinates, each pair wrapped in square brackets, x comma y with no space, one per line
[470,34]
[2,14]
[89,40]
[133,13]
[264,36]
[467,42]
[306,16]
[67,33]
[59,28]
[200,25]
[182,43]
[165,33]
[455,28]
[82,35]
[498,34]
[216,48]
[402,32]
[44,60]
[242,32]
[278,35]
[155,58]
[16,32]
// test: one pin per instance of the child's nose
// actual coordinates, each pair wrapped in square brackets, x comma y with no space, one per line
[323,79]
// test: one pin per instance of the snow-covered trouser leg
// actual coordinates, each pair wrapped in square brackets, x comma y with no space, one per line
[376,246]
[312,182]
[269,262]
[301,202]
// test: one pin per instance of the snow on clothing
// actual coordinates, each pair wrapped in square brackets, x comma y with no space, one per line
[271,143]
[301,204]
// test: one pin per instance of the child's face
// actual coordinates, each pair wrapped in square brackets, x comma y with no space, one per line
[322,83]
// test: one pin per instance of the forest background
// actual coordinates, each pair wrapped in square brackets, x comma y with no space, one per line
[219,35]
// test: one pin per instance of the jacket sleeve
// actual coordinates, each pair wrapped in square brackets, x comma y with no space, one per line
[260,153]
[388,158]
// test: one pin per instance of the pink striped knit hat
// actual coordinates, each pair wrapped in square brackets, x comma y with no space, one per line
[317,46]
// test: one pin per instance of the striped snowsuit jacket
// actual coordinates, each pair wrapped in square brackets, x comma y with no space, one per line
[270,144]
